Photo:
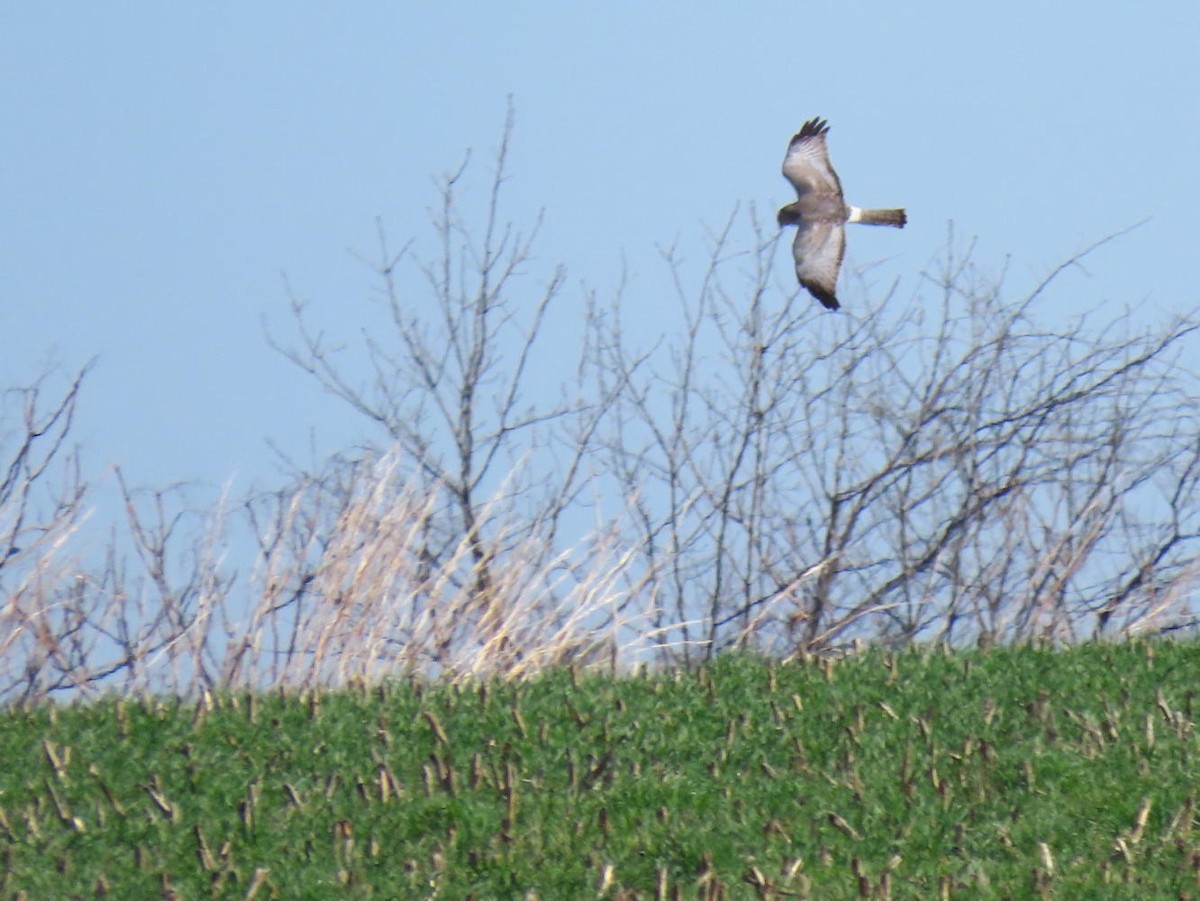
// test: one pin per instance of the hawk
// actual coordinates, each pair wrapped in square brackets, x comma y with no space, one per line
[820,211]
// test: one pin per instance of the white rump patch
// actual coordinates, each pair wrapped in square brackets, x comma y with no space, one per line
[855,214]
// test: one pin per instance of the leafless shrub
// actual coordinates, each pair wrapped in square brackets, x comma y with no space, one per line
[137,621]
[41,505]
[344,589]
[495,459]
[948,468]
[348,589]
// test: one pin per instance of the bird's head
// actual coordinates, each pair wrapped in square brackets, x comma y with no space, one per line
[788,215]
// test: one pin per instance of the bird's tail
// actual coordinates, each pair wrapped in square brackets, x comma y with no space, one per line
[894,218]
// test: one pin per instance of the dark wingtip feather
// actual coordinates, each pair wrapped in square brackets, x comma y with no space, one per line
[813,128]
[828,301]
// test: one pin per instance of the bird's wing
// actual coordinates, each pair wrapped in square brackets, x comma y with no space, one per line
[818,251]
[806,164]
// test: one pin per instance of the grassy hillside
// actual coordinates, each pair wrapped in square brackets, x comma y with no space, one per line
[1005,773]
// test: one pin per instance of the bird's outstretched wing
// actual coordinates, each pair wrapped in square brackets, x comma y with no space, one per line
[818,251]
[806,164]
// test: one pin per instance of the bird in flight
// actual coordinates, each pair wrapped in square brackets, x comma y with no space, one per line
[821,213]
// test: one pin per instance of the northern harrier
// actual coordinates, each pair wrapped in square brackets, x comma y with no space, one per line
[821,212]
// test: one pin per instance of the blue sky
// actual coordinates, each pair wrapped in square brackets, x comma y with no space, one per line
[164,166]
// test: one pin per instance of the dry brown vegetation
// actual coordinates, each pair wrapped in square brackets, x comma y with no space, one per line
[946,466]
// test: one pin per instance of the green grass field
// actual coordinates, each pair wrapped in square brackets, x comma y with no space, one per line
[1007,773]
